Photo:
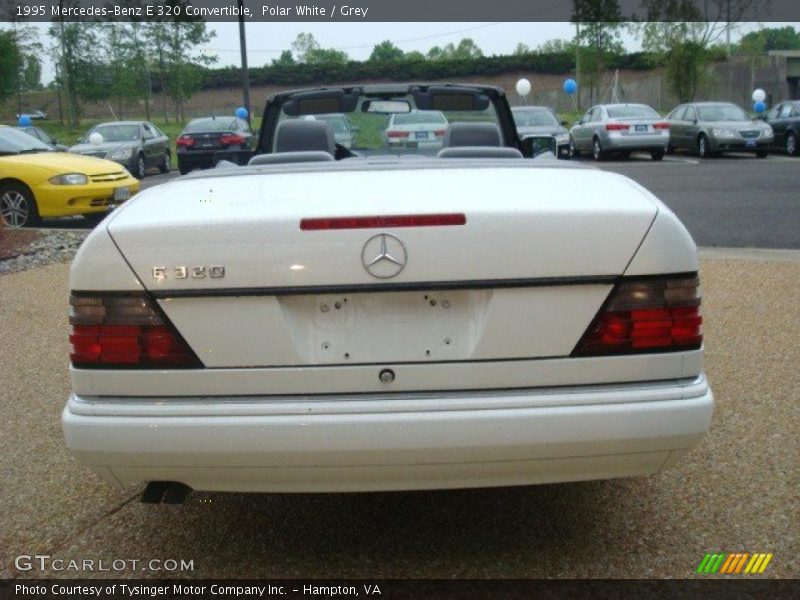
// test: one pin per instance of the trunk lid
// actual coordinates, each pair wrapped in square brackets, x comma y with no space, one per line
[521,223]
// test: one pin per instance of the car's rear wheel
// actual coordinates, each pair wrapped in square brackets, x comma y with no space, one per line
[657,155]
[18,206]
[597,150]
[761,154]
[183,168]
[670,149]
[164,166]
[791,144]
[703,149]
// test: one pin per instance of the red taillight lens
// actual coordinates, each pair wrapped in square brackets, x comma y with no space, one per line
[645,316]
[397,134]
[230,139]
[437,220]
[186,141]
[617,127]
[660,125]
[439,133]
[124,331]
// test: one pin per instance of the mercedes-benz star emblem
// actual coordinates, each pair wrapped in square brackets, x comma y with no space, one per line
[384,256]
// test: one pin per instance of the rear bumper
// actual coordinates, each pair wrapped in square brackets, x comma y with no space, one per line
[648,143]
[391,442]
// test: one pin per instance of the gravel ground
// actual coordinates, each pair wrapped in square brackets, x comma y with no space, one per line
[47,248]
[737,491]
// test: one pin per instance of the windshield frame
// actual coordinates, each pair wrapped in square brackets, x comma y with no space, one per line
[496,96]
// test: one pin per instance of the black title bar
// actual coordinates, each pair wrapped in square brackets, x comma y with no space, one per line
[391,10]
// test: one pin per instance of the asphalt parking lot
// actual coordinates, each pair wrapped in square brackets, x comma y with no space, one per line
[732,201]
[737,491]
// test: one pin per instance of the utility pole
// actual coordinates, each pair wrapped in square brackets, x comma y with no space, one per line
[728,30]
[64,69]
[578,64]
[245,71]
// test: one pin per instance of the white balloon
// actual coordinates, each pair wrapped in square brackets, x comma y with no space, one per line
[96,139]
[759,95]
[523,87]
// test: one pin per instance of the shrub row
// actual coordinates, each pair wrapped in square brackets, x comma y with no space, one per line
[409,70]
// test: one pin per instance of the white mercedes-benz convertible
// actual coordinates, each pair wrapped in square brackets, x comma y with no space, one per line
[325,318]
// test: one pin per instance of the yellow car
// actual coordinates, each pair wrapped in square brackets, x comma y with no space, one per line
[37,182]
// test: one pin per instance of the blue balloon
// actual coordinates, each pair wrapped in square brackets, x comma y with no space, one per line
[759,107]
[24,121]
[241,112]
[570,86]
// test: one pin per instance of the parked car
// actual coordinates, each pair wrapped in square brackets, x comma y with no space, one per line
[541,120]
[710,128]
[41,135]
[203,139]
[423,129]
[36,115]
[785,122]
[36,182]
[391,323]
[343,131]
[137,145]
[620,128]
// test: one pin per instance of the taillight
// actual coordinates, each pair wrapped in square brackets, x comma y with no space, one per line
[439,133]
[186,141]
[617,127]
[124,331]
[231,139]
[660,125]
[647,315]
[397,134]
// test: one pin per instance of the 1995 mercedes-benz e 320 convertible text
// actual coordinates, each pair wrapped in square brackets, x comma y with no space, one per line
[344,319]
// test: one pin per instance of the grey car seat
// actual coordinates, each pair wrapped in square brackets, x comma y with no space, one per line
[300,141]
[475,140]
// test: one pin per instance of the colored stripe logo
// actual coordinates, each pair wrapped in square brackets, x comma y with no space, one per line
[734,563]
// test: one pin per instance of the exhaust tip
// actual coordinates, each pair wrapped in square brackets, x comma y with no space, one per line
[166,492]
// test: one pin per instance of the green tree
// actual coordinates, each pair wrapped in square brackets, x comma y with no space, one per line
[601,26]
[185,60]
[386,51]
[465,50]
[680,34]
[10,61]
[522,49]
[84,76]
[31,73]
[556,47]
[768,39]
[284,60]
[308,50]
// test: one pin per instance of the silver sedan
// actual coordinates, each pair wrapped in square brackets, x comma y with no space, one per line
[620,128]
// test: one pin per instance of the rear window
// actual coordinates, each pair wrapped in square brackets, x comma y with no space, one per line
[631,111]
[211,125]
[419,118]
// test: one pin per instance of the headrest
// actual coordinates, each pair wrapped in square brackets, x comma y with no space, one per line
[301,135]
[290,157]
[479,152]
[472,134]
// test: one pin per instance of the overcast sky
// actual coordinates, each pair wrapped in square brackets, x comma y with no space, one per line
[265,41]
